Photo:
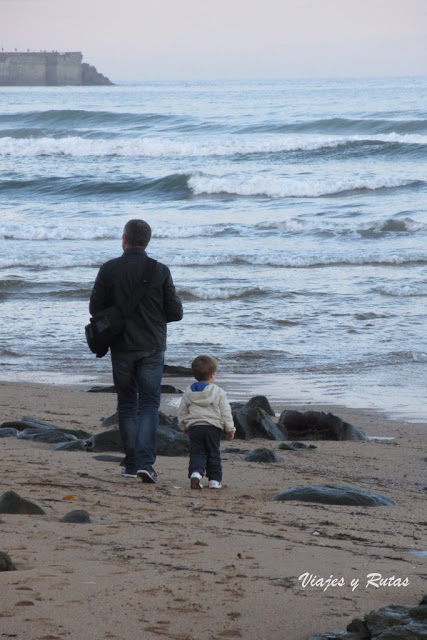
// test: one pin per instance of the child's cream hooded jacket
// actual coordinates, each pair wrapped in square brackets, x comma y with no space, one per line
[209,406]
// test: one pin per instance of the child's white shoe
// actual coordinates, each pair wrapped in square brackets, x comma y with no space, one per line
[214,484]
[196,480]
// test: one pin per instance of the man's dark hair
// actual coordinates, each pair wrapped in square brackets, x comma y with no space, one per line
[203,367]
[138,233]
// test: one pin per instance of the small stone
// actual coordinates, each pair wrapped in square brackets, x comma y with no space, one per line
[77,516]
[6,563]
[262,455]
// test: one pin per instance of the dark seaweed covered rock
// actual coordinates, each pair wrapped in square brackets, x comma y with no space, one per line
[47,435]
[262,455]
[27,424]
[177,370]
[260,402]
[109,458]
[317,425]
[105,441]
[165,388]
[73,445]
[235,450]
[11,502]
[6,563]
[164,420]
[8,432]
[168,388]
[78,516]
[295,446]
[334,494]
[111,421]
[168,421]
[253,421]
[169,442]
[102,389]
[393,622]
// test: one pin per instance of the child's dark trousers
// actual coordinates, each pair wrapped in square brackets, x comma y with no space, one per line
[205,454]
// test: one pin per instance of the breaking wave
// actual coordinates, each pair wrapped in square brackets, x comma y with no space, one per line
[296,262]
[77,146]
[286,188]
[81,117]
[344,125]
[400,290]
[221,293]
[95,232]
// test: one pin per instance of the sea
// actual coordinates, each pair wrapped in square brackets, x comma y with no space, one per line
[292,214]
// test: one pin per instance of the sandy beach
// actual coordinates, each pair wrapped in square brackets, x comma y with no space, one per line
[162,561]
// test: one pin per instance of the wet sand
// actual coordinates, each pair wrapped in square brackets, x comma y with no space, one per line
[163,561]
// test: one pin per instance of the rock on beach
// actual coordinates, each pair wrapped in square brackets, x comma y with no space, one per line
[12,502]
[77,516]
[394,622]
[6,563]
[334,494]
[317,425]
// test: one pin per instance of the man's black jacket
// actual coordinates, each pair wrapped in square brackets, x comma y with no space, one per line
[116,284]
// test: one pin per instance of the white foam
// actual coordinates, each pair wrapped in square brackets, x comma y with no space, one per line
[221,293]
[87,232]
[400,290]
[296,261]
[57,262]
[58,232]
[419,356]
[288,188]
[183,147]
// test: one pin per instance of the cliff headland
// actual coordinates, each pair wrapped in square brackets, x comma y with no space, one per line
[46,69]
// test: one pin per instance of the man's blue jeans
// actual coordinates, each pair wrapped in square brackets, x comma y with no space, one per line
[137,376]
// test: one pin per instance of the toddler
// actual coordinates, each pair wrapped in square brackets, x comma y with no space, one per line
[204,413]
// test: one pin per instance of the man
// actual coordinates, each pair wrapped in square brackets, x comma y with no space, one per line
[144,291]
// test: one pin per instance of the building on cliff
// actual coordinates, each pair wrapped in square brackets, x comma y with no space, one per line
[47,70]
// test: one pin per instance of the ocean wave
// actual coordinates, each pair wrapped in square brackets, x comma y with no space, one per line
[77,146]
[9,353]
[419,356]
[293,226]
[221,293]
[340,125]
[79,117]
[58,232]
[296,262]
[171,186]
[291,188]
[372,228]
[279,260]
[68,118]
[400,290]
[87,232]
[46,262]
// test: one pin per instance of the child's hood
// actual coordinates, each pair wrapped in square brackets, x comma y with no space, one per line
[205,397]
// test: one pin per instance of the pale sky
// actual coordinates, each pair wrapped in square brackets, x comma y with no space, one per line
[214,39]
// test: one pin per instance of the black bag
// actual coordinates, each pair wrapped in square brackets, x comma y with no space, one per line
[103,327]
[109,323]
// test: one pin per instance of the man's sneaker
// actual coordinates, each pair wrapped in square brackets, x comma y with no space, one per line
[214,484]
[196,480]
[127,473]
[147,476]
